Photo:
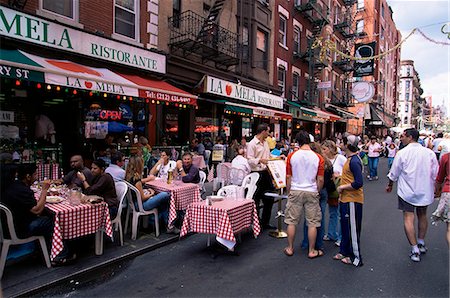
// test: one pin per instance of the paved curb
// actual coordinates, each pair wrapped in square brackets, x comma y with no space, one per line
[35,291]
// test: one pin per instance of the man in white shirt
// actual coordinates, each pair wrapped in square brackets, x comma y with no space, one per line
[304,180]
[415,168]
[258,154]
[239,163]
[115,169]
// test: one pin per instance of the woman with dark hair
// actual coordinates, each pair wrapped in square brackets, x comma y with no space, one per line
[102,185]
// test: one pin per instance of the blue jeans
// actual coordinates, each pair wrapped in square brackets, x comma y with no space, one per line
[390,161]
[160,201]
[42,226]
[334,231]
[373,166]
[320,231]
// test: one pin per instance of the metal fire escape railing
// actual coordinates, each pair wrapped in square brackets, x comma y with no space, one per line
[194,34]
[318,14]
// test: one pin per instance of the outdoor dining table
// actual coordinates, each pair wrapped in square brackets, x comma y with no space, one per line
[224,219]
[181,196]
[73,221]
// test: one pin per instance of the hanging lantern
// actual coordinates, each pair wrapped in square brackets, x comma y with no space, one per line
[39,86]
[74,92]
[49,87]
[58,88]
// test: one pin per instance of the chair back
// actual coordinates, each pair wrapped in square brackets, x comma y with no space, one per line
[223,170]
[236,176]
[121,191]
[9,223]
[249,184]
[132,189]
[201,184]
[231,192]
[207,156]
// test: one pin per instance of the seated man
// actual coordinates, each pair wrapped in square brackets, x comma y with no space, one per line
[188,172]
[197,147]
[31,218]
[72,179]
[115,169]
[162,168]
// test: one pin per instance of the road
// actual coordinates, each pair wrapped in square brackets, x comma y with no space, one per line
[188,269]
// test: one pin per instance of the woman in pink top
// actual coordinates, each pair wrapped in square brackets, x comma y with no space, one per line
[442,189]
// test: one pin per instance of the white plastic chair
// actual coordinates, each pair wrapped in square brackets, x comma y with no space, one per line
[249,184]
[138,212]
[121,191]
[223,170]
[14,240]
[236,176]
[201,184]
[231,192]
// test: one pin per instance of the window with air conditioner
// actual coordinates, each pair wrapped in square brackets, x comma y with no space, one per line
[282,78]
[297,36]
[126,18]
[282,30]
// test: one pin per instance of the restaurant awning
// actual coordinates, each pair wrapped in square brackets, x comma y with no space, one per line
[257,111]
[375,119]
[326,115]
[343,112]
[74,75]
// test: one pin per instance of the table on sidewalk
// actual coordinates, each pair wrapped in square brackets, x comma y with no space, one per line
[181,196]
[224,219]
[72,221]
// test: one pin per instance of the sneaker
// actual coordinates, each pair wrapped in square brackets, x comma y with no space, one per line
[415,256]
[326,238]
[422,248]
[337,243]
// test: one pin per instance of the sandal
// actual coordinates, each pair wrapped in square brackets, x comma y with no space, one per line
[347,261]
[286,252]
[338,257]
[318,253]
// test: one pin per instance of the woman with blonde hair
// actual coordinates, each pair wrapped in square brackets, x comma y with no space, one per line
[150,200]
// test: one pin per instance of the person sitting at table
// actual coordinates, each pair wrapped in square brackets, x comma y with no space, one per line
[240,162]
[150,200]
[162,168]
[115,169]
[31,217]
[71,179]
[188,172]
[197,147]
[102,185]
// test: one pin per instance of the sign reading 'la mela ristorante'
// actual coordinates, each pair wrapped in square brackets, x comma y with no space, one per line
[29,28]
[236,91]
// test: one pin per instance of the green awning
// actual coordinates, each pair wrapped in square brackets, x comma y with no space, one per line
[304,109]
[21,73]
[238,109]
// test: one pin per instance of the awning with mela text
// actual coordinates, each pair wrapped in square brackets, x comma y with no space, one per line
[74,75]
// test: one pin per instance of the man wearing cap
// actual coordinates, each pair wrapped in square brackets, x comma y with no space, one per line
[351,204]
[415,169]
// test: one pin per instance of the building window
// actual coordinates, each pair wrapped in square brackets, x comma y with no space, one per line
[408,85]
[65,8]
[282,31]
[407,96]
[245,47]
[406,108]
[176,12]
[261,49]
[125,18]
[359,26]
[295,85]
[297,33]
[382,10]
[408,71]
[337,14]
[281,78]
[360,4]
[405,121]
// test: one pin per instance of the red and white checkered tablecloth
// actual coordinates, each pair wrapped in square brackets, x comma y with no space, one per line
[181,196]
[72,221]
[224,218]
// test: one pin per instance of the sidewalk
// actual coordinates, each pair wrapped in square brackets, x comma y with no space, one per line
[29,275]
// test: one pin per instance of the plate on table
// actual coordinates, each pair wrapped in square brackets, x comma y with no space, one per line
[215,198]
[54,199]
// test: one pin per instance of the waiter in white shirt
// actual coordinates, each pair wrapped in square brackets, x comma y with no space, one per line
[258,154]
[415,168]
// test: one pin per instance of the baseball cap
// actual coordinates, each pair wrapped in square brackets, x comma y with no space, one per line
[352,140]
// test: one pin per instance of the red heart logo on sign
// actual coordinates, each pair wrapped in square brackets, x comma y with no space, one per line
[88,84]
[228,89]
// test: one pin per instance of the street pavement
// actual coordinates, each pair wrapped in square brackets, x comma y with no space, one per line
[187,268]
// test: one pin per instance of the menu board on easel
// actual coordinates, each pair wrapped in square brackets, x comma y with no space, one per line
[277,168]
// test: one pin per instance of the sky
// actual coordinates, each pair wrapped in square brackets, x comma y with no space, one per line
[431,60]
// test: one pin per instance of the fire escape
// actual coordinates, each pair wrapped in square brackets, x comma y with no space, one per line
[198,38]
[318,14]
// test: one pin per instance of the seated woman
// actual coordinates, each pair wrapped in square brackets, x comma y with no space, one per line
[162,167]
[133,175]
[102,185]
[240,162]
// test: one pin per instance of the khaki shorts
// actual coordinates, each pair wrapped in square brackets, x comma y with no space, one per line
[299,200]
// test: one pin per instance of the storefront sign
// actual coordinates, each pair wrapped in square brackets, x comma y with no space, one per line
[364,67]
[363,91]
[32,29]
[6,116]
[21,74]
[324,85]
[266,113]
[166,97]
[375,123]
[231,90]
[110,115]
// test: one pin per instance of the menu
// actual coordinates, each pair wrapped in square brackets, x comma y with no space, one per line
[277,168]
